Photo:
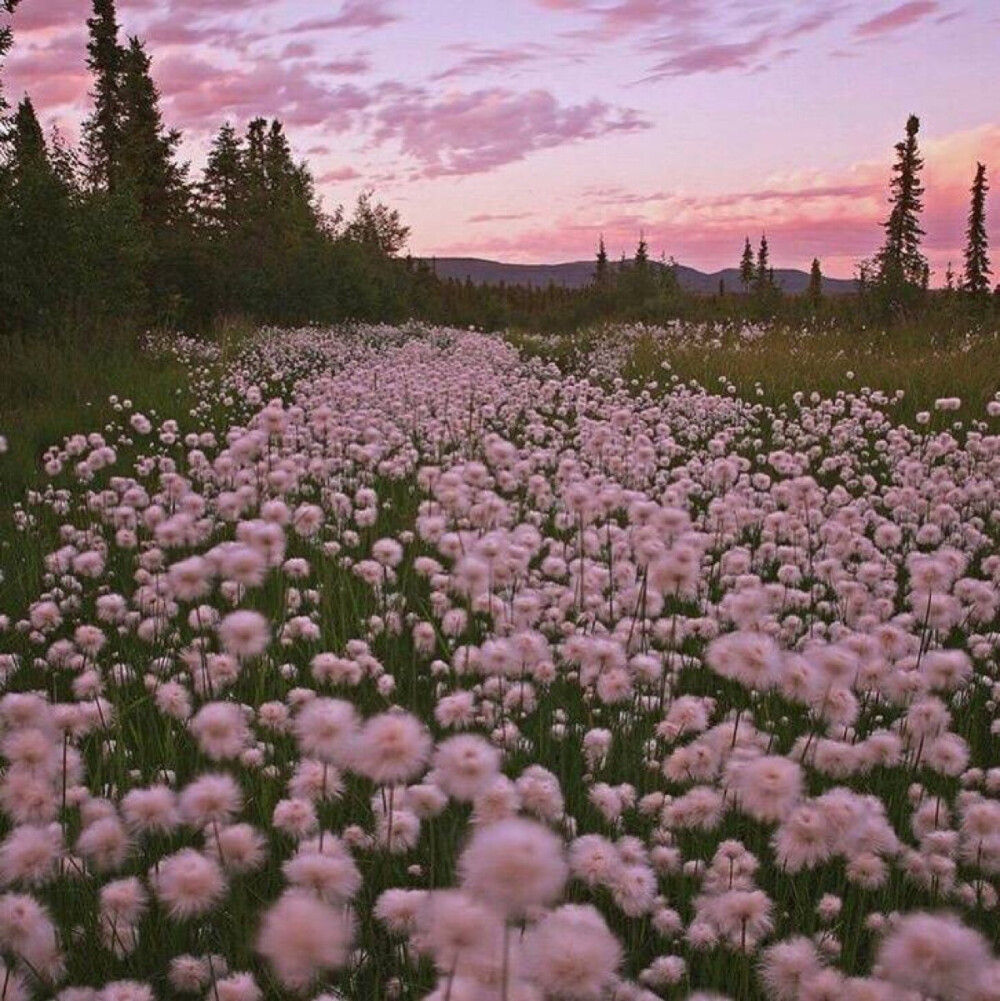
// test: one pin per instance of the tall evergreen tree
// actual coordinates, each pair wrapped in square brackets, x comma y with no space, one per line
[222,185]
[900,260]
[762,277]
[147,149]
[977,261]
[814,293]
[37,259]
[747,267]
[102,130]
[641,260]
[28,150]
[601,264]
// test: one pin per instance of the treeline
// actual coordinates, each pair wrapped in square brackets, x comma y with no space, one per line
[118,234]
[893,286]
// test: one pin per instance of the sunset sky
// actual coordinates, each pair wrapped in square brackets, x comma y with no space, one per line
[521,129]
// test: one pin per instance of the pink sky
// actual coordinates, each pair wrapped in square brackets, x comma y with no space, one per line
[522,129]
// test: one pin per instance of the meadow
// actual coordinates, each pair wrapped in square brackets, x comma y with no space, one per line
[418,663]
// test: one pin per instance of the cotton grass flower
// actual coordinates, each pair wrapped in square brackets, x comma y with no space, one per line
[514,865]
[302,937]
[188,884]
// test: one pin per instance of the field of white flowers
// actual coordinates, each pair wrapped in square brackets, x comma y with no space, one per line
[405,666]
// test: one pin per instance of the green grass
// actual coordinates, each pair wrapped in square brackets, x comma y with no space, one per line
[773,368]
[51,388]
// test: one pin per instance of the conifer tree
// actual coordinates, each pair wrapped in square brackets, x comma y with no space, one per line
[28,148]
[641,259]
[102,130]
[147,157]
[222,185]
[815,291]
[949,278]
[36,235]
[256,147]
[747,267]
[900,260]
[977,261]
[601,265]
[763,276]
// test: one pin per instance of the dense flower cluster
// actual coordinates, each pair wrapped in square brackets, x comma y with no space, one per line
[405,667]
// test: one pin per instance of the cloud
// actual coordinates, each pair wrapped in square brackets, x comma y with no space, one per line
[498,217]
[899,17]
[629,16]
[482,59]
[33,17]
[712,58]
[354,65]
[53,73]
[471,132]
[361,15]
[200,94]
[338,175]
[181,34]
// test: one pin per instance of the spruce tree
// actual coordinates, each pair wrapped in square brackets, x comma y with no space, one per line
[36,232]
[102,130]
[747,268]
[815,291]
[601,265]
[977,261]
[28,150]
[949,278]
[900,260]
[222,183]
[641,259]
[762,278]
[147,157]
[640,279]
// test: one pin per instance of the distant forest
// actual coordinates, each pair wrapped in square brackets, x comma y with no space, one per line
[119,235]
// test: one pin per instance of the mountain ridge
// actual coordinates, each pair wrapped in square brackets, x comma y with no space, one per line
[577,274]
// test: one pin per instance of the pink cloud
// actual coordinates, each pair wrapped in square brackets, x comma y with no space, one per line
[53,73]
[497,217]
[32,17]
[354,65]
[172,32]
[363,15]
[338,175]
[468,133]
[480,59]
[899,17]
[200,94]
[627,16]
[712,58]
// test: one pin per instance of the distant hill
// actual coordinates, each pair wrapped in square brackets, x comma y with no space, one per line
[576,274]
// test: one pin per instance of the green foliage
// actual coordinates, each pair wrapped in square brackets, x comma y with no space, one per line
[815,291]
[747,266]
[902,268]
[977,262]
[116,237]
